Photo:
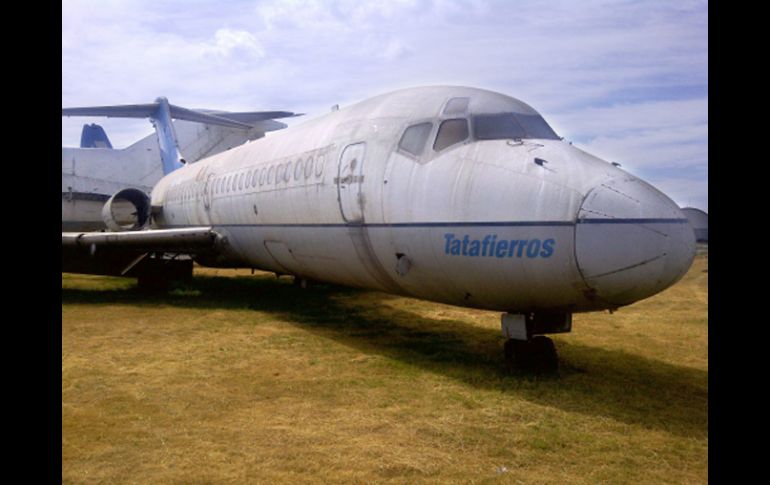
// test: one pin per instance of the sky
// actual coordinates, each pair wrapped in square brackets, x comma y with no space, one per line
[624,80]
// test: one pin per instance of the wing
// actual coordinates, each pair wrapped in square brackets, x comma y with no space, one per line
[158,253]
[185,240]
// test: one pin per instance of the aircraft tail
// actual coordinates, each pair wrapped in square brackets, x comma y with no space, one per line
[161,113]
[93,136]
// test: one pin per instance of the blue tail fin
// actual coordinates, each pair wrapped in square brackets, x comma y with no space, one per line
[93,136]
[169,151]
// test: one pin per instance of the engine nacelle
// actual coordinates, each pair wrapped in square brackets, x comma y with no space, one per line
[128,210]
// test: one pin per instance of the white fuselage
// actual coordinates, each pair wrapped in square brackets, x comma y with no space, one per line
[502,224]
[91,175]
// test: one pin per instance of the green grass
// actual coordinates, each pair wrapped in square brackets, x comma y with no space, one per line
[238,378]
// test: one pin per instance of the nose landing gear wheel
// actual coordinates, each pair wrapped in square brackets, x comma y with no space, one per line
[537,354]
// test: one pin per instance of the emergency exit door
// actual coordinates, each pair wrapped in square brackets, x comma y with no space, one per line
[350,182]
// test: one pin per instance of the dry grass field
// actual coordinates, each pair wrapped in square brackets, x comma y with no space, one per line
[241,378]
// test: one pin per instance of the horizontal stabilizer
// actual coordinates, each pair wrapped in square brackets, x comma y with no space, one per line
[149,110]
[251,117]
[209,117]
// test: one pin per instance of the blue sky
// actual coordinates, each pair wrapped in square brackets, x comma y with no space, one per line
[624,80]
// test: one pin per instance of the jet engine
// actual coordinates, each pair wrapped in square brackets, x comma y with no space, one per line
[127,210]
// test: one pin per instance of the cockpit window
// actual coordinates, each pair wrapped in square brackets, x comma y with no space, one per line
[536,127]
[451,132]
[414,138]
[516,126]
[456,106]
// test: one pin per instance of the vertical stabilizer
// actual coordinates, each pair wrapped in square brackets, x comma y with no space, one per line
[93,136]
[161,114]
[169,150]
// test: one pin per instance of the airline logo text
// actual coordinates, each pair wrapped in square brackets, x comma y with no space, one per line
[490,246]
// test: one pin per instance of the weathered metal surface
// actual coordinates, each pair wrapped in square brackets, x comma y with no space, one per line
[129,209]
[482,224]
[631,241]
[102,171]
[173,240]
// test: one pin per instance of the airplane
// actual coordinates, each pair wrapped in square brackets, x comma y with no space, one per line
[95,171]
[451,194]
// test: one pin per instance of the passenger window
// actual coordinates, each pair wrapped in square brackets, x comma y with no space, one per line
[297,169]
[279,171]
[450,132]
[254,177]
[414,138]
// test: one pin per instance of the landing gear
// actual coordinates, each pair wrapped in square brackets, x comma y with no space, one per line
[538,354]
[525,349]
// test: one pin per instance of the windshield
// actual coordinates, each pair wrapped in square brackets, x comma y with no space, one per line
[516,126]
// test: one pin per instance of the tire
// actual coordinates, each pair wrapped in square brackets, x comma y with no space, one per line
[544,353]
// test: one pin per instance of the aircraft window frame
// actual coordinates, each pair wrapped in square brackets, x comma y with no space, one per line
[427,135]
[240,181]
[270,172]
[298,169]
[262,173]
[287,173]
[279,171]
[307,169]
[254,178]
[519,127]
[247,180]
[456,106]
[451,136]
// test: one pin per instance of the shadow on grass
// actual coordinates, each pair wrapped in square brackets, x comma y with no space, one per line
[592,381]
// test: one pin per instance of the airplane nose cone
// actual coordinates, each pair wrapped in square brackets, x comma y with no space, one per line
[631,241]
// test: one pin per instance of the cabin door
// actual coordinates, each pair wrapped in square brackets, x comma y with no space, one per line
[349,181]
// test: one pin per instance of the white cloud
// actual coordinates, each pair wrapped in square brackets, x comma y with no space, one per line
[625,79]
[232,44]
[395,49]
[625,117]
